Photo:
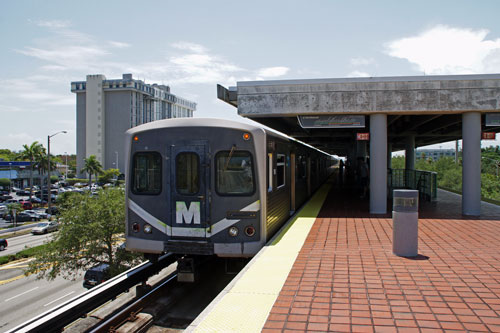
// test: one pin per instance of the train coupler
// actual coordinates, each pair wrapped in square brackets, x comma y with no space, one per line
[186,269]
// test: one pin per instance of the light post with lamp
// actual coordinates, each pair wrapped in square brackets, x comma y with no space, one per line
[66,175]
[116,166]
[10,177]
[49,199]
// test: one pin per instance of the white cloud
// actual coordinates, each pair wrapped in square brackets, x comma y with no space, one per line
[358,74]
[447,50]
[271,72]
[196,48]
[54,24]
[360,61]
[119,45]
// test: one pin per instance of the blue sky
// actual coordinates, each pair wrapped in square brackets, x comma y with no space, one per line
[194,45]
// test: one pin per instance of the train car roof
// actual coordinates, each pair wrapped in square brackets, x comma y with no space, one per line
[212,122]
[189,122]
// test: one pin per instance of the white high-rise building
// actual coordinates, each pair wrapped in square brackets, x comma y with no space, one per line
[105,109]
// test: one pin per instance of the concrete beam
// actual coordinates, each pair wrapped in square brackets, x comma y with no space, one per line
[389,95]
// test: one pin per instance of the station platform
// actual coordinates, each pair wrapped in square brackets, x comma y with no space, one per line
[331,269]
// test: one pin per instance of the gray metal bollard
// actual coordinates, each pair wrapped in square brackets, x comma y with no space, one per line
[405,223]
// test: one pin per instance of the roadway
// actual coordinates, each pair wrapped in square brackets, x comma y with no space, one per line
[19,243]
[24,297]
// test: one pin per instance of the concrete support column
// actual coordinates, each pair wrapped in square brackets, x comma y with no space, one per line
[471,163]
[378,163]
[410,153]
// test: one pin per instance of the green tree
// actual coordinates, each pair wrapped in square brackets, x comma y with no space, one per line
[4,182]
[108,175]
[7,155]
[92,167]
[90,233]
[14,207]
[398,162]
[33,154]
[490,187]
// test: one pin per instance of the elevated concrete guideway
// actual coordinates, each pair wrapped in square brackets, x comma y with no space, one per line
[399,113]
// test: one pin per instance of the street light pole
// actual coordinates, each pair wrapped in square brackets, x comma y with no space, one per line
[10,177]
[66,175]
[49,199]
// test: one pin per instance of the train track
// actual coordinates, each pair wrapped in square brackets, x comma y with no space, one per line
[130,318]
[171,305]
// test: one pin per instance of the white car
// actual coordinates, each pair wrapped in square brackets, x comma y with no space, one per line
[34,215]
[45,227]
[41,213]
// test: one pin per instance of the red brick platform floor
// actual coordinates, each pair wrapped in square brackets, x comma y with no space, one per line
[346,278]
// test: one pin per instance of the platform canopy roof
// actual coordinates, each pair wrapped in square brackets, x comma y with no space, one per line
[316,111]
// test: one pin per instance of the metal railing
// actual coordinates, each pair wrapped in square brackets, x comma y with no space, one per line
[423,181]
[60,316]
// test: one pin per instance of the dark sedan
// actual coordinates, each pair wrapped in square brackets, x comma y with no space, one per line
[21,217]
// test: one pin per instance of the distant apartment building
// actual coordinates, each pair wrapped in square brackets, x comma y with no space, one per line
[435,154]
[105,109]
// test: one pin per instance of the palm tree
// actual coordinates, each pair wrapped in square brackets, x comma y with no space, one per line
[32,153]
[92,166]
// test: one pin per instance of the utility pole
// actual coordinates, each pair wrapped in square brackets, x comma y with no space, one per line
[49,198]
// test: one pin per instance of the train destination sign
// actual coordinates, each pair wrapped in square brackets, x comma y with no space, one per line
[340,121]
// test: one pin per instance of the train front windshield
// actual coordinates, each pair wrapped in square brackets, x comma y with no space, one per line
[234,173]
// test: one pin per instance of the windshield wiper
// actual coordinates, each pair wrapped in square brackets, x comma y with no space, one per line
[233,148]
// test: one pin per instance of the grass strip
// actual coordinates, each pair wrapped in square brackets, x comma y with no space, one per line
[26,253]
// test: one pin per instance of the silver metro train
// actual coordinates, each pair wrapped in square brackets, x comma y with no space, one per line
[200,187]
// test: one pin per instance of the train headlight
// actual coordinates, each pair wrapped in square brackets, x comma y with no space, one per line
[148,229]
[233,231]
[246,136]
[136,227]
[249,231]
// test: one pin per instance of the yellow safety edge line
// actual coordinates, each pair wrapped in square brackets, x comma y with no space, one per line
[239,307]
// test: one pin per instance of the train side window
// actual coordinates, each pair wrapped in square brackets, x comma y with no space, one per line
[187,166]
[270,172]
[234,173]
[280,170]
[146,173]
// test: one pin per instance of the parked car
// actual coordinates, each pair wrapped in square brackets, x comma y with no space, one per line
[5,197]
[34,215]
[45,227]
[96,275]
[53,210]
[23,192]
[41,213]
[3,211]
[3,244]
[20,217]
[26,204]
[37,200]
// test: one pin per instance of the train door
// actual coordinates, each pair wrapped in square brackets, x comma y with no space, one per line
[190,188]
